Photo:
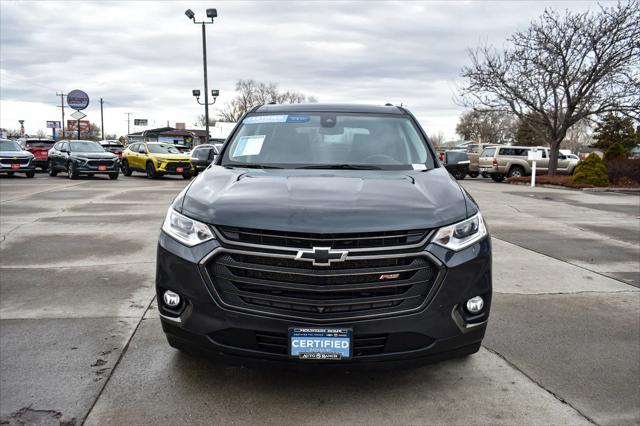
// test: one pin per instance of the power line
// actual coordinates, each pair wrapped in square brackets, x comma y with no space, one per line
[128,114]
[101,118]
[62,95]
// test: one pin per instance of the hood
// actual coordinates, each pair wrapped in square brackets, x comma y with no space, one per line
[325,201]
[15,154]
[93,155]
[171,157]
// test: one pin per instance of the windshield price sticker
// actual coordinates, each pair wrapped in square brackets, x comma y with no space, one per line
[249,145]
[260,119]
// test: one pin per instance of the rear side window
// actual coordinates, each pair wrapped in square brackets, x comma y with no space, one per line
[488,152]
[515,152]
[474,149]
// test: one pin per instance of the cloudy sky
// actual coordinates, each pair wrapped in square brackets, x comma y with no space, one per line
[145,57]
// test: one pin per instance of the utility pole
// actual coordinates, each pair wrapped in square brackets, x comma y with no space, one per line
[62,95]
[128,114]
[101,119]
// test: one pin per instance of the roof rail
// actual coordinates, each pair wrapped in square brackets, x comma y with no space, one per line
[255,108]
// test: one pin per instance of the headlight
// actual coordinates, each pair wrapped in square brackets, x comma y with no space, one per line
[188,231]
[461,234]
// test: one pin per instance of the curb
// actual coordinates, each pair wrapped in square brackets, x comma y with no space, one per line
[608,189]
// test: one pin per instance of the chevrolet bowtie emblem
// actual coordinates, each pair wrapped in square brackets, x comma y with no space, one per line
[322,256]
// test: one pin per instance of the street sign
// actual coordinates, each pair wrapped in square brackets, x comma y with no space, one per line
[77,99]
[78,115]
[140,122]
[53,125]
[72,125]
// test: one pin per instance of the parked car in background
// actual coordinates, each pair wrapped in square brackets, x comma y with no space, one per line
[456,163]
[500,162]
[14,159]
[156,160]
[40,150]
[473,151]
[114,146]
[81,157]
[203,155]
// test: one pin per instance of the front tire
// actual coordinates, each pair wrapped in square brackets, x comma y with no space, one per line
[114,176]
[30,174]
[126,170]
[187,176]
[52,172]
[72,172]
[474,174]
[497,178]
[151,171]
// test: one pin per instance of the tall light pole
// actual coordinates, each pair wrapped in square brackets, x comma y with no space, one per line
[211,13]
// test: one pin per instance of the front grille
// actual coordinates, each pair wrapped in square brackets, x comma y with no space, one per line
[276,343]
[172,167]
[97,163]
[364,344]
[286,287]
[335,241]
[9,161]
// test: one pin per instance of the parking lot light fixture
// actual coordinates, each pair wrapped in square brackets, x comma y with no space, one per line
[211,13]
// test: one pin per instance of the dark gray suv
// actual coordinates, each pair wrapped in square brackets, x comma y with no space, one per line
[325,234]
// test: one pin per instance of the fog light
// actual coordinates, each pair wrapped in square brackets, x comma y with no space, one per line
[474,305]
[171,299]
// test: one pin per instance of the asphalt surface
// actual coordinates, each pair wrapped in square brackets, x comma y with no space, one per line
[80,341]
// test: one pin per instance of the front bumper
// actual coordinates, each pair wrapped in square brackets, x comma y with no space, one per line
[171,167]
[94,166]
[28,167]
[440,329]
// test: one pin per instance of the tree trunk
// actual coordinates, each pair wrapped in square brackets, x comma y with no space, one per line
[554,152]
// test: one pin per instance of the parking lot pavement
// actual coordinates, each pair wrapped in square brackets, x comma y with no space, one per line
[566,310]
[80,340]
[76,276]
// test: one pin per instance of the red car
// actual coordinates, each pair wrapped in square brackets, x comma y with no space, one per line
[114,146]
[40,150]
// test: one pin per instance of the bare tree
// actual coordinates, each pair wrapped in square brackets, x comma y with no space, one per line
[564,68]
[437,138]
[250,93]
[486,126]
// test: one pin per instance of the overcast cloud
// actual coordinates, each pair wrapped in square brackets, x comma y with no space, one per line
[146,57]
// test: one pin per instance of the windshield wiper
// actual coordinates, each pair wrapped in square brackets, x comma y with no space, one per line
[340,166]
[253,166]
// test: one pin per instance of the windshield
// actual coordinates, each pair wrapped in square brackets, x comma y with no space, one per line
[9,146]
[85,146]
[39,144]
[328,140]
[162,149]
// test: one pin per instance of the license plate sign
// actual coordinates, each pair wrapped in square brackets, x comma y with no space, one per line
[15,166]
[179,169]
[102,168]
[320,343]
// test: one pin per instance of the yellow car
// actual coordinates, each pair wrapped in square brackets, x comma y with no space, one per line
[156,159]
